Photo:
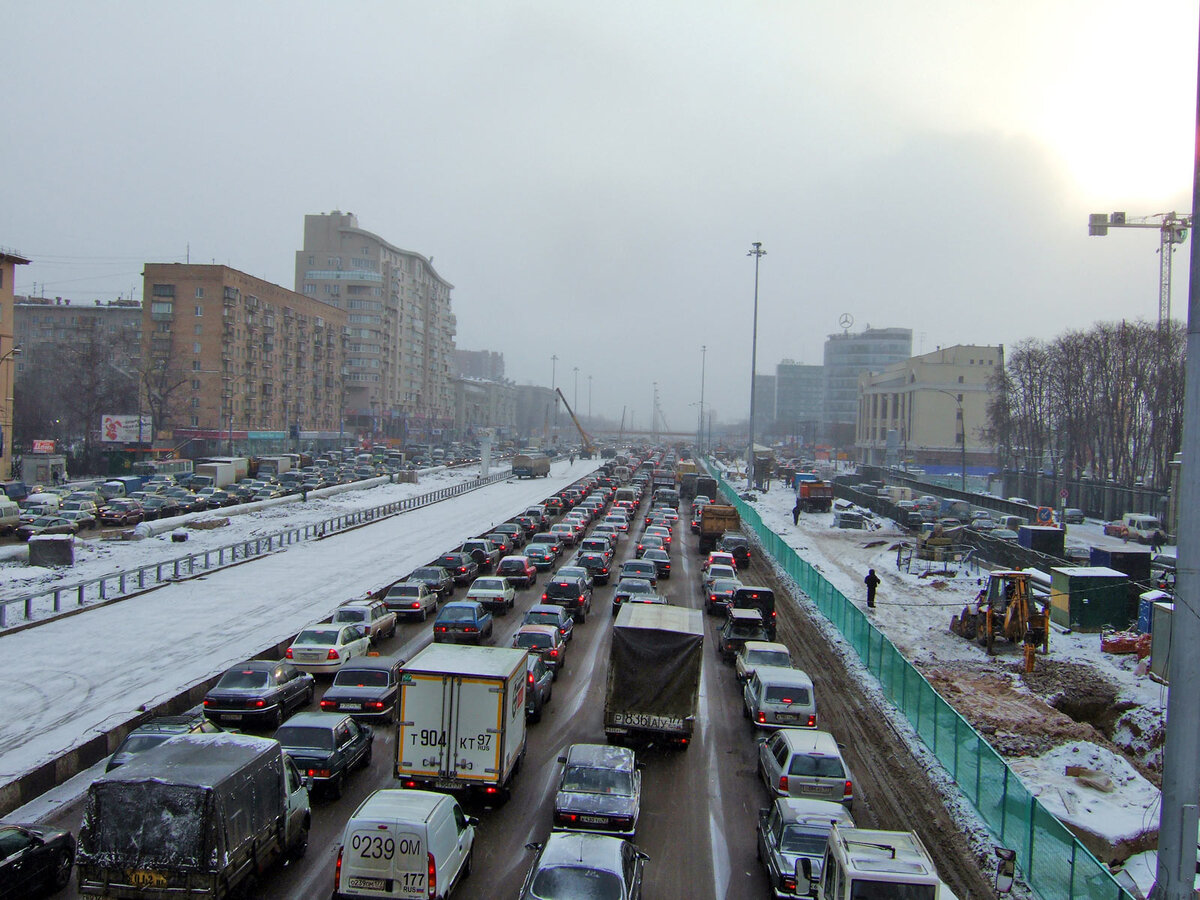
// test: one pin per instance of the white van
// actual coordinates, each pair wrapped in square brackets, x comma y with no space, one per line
[10,515]
[1144,528]
[418,842]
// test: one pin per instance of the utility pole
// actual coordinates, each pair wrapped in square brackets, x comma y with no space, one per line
[1179,816]
[700,429]
[575,403]
[758,253]
[589,400]
[1172,230]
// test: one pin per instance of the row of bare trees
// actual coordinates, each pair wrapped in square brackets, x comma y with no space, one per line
[1106,403]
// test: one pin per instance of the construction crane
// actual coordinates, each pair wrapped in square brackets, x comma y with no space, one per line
[1172,230]
[589,446]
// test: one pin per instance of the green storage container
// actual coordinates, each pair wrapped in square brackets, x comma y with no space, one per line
[1090,598]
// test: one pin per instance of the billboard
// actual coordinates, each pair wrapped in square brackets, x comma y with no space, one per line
[126,429]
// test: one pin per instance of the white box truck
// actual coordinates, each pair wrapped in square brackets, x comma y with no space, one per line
[462,719]
[218,475]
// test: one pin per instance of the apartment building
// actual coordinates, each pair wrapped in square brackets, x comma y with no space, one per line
[235,359]
[400,347]
[9,260]
[935,403]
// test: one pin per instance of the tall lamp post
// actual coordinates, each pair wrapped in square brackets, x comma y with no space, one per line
[758,253]
[576,400]
[961,435]
[700,426]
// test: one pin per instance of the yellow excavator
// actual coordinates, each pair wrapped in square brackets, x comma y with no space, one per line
[1005,608]
[588,449]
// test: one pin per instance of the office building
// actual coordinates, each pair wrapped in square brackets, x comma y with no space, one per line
[799,392]
[847,356]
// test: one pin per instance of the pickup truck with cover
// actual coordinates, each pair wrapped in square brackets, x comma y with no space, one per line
[201,816]
[653,685]
[715,520]
[462,720]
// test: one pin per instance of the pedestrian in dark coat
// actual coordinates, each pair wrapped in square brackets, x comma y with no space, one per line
[796,513]
[872,582]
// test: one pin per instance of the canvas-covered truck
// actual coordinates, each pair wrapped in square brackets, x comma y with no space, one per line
[530,465]
[706,486]
[715,520]
[653,686]
[462,719]
[814,496]
[204,815]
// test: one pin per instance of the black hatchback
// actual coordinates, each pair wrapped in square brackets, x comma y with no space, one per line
[326,747]
[435,578]
[461,566]
[736,544]
[366,687]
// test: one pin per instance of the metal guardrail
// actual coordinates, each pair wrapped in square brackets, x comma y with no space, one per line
[68,598]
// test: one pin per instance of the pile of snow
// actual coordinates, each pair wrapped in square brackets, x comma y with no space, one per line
[1105,802]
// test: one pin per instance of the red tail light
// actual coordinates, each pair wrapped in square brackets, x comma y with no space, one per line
[328,704]
[789,884]
[470,629]
[258,704]
[762,718]
[462,570]
[812,721]
[332,654]
[529,677]
[545,596]
[337,872]
[440,628]
[208,702]
[849,791]
[783,784]
[318,773]
[554,651]
[288,654]
[374,705]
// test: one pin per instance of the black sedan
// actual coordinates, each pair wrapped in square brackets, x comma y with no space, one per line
[366,687]
[34,861]
[461,566]
[326,747]
[596,565]
[585,865]
[261,690]
[600,790]
[435,578]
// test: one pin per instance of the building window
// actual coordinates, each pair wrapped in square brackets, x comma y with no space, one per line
[196,347]
[312,260]
[310,289]
[195,403]
[199,295]
[195,365]
[161,310]
[195,384]
[195,421]
[197,329]
[163,290]
[199,310]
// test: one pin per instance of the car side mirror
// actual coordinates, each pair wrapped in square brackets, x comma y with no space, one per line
[533,845]
[643,856]
[803,875]
[639,766]
[562,759]
[472,820]
[1006,869]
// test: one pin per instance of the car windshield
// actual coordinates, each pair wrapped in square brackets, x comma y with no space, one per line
[541,618]
[457,614]
[318,636]
[817,766]
[243,678]
[531,641]
[350,615]
[591,780]
[806,841]
[139,743]
[743,629]
[302,736]
[778,693]
[636,586]
[576,883]
[361,678]
[768,658]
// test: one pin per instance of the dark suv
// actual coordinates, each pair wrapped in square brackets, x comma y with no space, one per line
[736,544]
[573,594]
[760,598]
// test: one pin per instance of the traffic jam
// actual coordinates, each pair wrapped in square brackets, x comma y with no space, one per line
[395,733]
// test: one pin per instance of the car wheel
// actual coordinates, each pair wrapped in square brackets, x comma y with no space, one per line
[310,695]
[424,614]
[301,845]
[276,717]
[62,872]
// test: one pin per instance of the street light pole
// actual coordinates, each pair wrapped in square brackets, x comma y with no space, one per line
[758,253]
[700,427]
[589,401]
[554,389]
[576,401]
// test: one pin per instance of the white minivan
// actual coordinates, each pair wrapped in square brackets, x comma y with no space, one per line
[402,843]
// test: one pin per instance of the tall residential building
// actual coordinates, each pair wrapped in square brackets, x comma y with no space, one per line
[400,347]
[480,364]
[230,358]
[43,325]
[936,404]
[799,392]
[846,357]
[9,261]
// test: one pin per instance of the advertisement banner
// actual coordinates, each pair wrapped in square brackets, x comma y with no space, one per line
[126,429]
[43,446]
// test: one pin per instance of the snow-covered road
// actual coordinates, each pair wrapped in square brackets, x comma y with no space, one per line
[69,679]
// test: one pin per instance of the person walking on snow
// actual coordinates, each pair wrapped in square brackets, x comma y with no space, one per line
[796,512]
[872,582]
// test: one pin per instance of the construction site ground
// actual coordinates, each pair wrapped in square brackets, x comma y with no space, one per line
[1094,711]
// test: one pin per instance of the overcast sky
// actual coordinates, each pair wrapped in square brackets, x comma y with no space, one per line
[590,176]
